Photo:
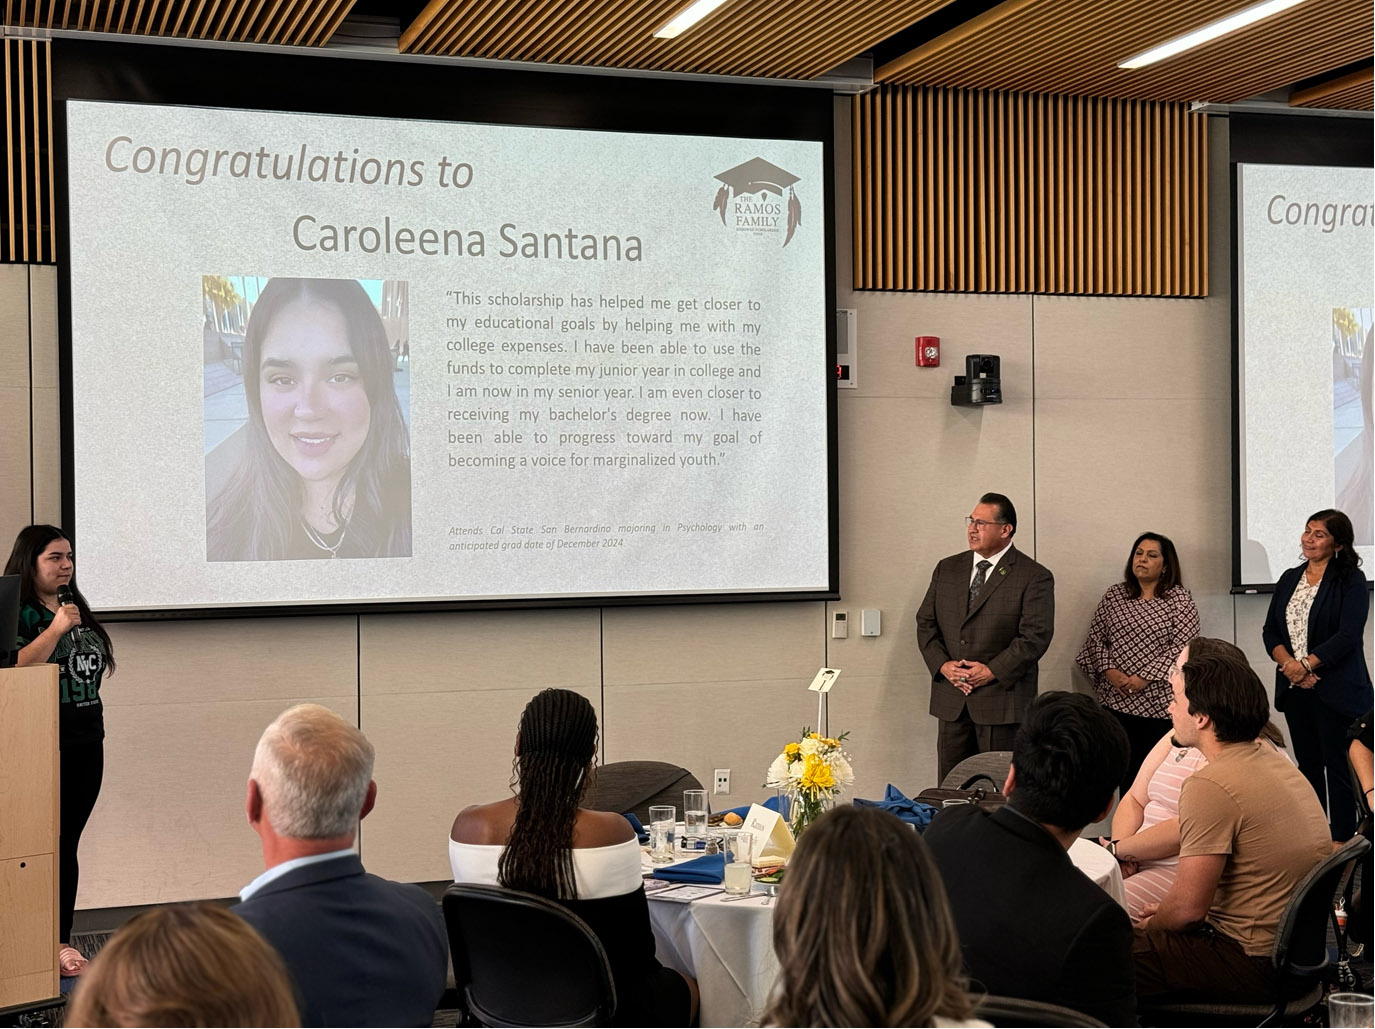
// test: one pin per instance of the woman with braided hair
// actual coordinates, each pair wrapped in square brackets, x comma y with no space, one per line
[540,841]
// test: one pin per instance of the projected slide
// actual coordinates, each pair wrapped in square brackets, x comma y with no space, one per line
[1306,264]
[325,360]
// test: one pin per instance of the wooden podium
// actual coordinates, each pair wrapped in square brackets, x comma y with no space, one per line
[28,834]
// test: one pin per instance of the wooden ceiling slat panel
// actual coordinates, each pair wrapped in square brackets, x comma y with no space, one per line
[1089,37]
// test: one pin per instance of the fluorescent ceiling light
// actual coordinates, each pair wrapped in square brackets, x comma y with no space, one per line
[689,17]
[1208,32]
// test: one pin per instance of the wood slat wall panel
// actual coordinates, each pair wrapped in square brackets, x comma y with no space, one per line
[977,191]
[27,234]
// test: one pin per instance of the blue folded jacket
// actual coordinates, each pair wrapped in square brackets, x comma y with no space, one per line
[913,812]
[710,869]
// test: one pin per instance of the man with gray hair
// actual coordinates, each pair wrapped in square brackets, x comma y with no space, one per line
[362,950]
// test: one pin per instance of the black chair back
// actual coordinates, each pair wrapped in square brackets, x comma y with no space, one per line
[1016,1012]
[633,786]
[522,960]
[1301,936]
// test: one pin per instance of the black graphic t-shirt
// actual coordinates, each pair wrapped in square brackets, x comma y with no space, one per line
[80,658]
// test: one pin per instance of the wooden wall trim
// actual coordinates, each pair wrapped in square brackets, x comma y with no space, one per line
[993,192]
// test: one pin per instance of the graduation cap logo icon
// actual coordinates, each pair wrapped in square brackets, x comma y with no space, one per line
[757,177]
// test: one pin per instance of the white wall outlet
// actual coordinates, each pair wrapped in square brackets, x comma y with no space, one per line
[722,781]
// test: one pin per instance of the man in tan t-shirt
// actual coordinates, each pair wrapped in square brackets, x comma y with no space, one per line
[1250,829]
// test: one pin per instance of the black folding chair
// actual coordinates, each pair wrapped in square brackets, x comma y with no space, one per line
[1015,1012]
[1299,956]
[522,960]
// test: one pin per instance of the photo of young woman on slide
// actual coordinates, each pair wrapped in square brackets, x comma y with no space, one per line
[320,465]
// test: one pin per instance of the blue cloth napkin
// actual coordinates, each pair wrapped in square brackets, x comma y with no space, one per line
[710,869]
[771,804]
[913,812]
[640,830]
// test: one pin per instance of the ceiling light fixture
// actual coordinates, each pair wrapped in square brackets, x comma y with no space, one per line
[1208,32]
[689,17]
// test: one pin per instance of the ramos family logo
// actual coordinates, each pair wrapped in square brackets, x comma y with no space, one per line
[751,199]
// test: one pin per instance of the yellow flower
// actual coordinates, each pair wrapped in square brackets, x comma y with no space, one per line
[814,736]
[792,751]
[830,742]
[816,775]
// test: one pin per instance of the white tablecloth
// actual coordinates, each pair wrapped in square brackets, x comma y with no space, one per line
[1100,866]
[726,947]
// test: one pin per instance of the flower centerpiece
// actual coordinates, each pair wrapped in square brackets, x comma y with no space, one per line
[813,771]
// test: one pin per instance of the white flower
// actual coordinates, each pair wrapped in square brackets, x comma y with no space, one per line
[810,746]
[778,772]
[840,768]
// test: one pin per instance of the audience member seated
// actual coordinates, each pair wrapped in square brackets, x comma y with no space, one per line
[1145,826]
[362,950]
[1250,829]
[540,841]
[184,965]
[1031,925]
[863,930]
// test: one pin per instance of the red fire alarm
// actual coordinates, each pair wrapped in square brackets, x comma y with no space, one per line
[928,351]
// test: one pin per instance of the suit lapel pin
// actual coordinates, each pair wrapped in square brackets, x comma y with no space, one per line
[1002,571]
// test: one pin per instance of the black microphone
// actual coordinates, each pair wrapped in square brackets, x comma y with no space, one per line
[64,597]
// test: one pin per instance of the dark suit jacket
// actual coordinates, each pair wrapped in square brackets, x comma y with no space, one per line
[1336,624]
[362,950]
[1008,629]
[1032,925]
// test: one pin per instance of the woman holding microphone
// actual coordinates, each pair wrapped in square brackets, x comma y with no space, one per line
[57,627]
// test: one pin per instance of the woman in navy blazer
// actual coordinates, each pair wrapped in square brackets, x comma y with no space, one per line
[1313,631]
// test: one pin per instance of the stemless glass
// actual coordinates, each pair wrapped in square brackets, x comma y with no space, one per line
[1350,1009]
[661,825]
[739,872]
[694,817]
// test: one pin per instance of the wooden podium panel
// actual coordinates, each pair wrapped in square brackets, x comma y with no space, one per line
[28,834]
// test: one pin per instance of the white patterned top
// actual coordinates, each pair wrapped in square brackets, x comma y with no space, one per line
[1296,616]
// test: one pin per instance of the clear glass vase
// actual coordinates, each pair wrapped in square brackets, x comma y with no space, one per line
[805,807]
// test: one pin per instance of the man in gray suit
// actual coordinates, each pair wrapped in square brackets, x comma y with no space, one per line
[986,620]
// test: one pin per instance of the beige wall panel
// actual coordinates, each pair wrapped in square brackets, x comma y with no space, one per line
[170,823]
[479,650]
[436,754]
[1134,349]
[910,472]
[47,456]
[888,323]
[743,726]
[711,643]
[16,496]
[165,664]
[1097,486]
[14,316]
[43,324]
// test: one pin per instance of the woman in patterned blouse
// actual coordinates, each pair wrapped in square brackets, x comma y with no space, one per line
[1138,629]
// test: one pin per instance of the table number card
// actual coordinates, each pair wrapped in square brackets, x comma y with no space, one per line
[773,840]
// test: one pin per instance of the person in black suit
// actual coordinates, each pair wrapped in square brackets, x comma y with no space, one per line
[362,950]
[986,620]
[1313,632]
[1031,925]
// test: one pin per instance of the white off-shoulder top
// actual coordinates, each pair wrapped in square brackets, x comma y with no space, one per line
[597,871]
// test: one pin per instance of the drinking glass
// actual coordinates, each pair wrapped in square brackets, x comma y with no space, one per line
[739,850]
[694,817]
[661,825]
[1350,1009]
